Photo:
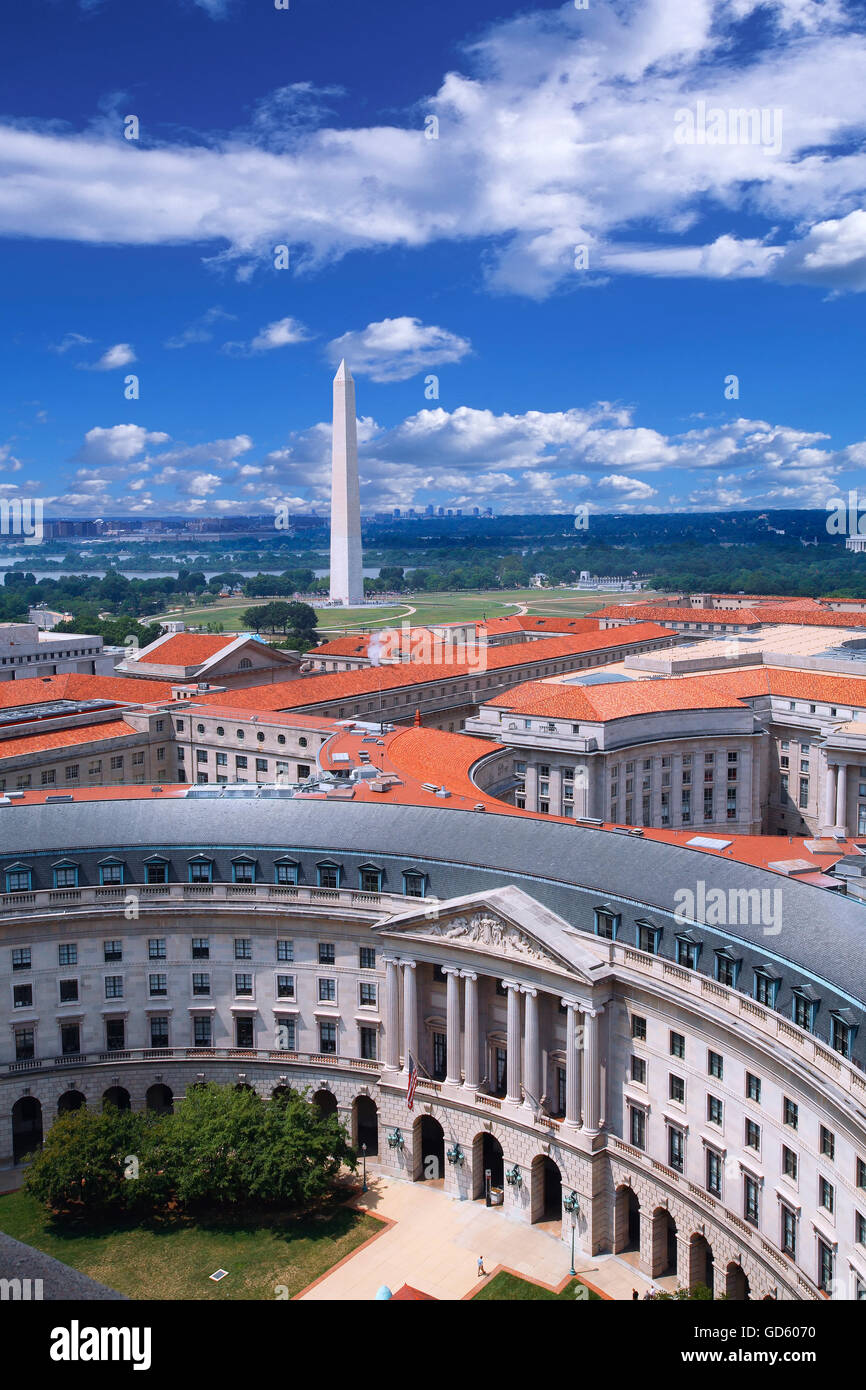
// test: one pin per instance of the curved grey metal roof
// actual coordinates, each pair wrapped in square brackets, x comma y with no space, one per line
[570,868]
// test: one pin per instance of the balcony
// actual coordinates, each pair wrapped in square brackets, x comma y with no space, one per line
[54,902]
[133,1055]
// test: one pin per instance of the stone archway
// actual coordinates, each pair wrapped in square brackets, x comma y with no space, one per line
[545,1190]
[365,1125]
[326,1102]
[700,1261]
[26,1127]
[626,1229]
[736,1283]
[428,1149]
[70,1100]
[664,1244]
[160,1099]
[486,1154]
[116,1095]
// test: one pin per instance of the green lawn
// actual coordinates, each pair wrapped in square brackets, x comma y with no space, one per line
[509,1286]
[260,1252]
[447,607]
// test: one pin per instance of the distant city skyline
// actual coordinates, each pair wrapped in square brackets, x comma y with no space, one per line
[609,257]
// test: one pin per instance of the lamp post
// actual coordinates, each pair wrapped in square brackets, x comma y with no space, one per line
[572,1206]
[364,1153]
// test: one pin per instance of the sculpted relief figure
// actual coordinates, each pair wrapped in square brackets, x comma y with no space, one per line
[488,931]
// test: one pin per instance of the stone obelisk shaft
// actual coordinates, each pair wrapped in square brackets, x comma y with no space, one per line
[347,584]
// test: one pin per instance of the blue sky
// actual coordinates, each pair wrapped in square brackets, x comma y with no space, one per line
[713,246]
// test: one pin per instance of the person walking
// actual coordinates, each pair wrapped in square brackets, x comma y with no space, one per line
[482,1272]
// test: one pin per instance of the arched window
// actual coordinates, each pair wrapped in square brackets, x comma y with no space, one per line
[244,664]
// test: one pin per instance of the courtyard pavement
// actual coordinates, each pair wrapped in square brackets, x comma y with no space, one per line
[433,1244]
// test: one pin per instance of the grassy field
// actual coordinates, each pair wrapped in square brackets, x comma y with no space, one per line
[174,1261]
[509,1286]
[449,607]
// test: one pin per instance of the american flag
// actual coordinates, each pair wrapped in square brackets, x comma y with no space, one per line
[413,1082]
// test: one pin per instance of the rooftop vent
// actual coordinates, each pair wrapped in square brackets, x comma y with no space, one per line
[63,797]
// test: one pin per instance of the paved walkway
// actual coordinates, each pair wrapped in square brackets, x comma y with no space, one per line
[435,1242]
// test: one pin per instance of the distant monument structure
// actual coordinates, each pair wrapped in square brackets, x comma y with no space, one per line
[347,581]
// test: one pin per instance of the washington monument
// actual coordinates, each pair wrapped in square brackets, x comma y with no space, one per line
[347,584]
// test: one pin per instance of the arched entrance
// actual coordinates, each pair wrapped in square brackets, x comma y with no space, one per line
[365,1125]
[736,1283]
[546,1191]
[281,1093]
[486,1154]
[700,1262]
[70,1100]
[116,1095]
[326,1102]
[428,1140]
[160,1099]
[664,1248]
[26,1127]
[626,1235]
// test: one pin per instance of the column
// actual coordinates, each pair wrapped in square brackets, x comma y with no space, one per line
[410,1014]
[512,1090]
[452,975]
[470,1030]
[841,822]
[591,1088]
[392,1015]
[531,1077]
[830,796]
[572,1065]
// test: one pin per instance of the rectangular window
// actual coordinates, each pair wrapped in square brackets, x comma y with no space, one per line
[66,878]
[715,1065]
[638,1027]
[440,1056]
[286,873]
[261,764]
[21,958]
[25,1044]
[201,1030]
[367,957]
[677,1045]
[201,948]
[159,1032]
[638,1070]
[367,994]
[110,873]
[826,1195]
[638,1127]
[70,1039]
[753,1135]
[244,1032]
[243,985]
[606,924]
[828,1143]
[115,1035]
[156,873]
[287,1035]
[156,948]
[285,986]
[243,948]
[328,1038]
[114,986]
[201,984]
[751,1209]
[22,996]
[676,1148]
[790,1163]
[715,1110]
[677,1089]
[327,953]
[726,970]
[753,1087]
[67,955]
[244,872]
[157,986]
[285,950]
[369,1044]
[789,1232]
[68,991]
[714,1173]
[327,991]
[790,1113]
[826,1267]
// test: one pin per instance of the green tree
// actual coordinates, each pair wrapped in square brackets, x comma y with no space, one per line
[84,1161]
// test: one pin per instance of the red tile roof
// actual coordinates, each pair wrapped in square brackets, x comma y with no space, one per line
[73,686]
[618,699]
[369,680]
[64,738]
[744,617]
[186,648]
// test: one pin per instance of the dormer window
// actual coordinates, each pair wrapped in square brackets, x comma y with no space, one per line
[607,923]
[111,872]
[370,878]
[648,936]
[328,874]
[243,869]
[803,1008]
[19,878]
[200,869]
[65,874]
